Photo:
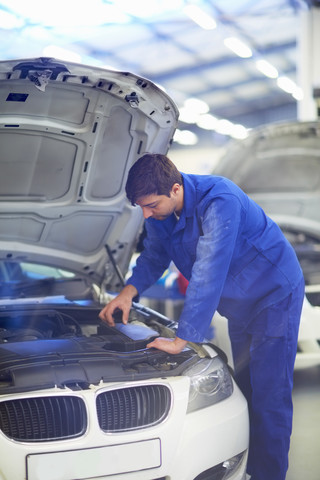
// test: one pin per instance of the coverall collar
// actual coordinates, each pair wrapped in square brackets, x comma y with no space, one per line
[189,200]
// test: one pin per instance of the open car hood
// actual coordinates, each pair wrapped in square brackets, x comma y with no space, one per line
[278,166]
[69,135]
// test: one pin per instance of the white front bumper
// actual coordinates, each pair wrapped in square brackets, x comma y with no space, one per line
[181,447]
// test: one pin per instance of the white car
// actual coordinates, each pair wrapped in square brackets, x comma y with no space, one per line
[278,166]
[79,399]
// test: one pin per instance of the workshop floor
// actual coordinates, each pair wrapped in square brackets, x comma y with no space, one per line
[304,458]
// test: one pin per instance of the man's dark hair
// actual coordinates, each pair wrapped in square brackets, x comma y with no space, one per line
[152,174]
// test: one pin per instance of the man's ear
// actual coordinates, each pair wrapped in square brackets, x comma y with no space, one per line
[176,188]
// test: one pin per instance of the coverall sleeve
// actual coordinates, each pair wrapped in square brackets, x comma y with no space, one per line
[151,263]
[215,248]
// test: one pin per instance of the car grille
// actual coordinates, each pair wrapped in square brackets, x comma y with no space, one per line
[50,418]
[133,408]
[43,418]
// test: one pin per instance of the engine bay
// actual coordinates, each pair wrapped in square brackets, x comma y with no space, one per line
[47,346]
[46,322]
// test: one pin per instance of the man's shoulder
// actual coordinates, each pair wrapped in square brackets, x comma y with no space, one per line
[213,185]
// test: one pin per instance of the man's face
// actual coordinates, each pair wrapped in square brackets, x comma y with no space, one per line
[161,207]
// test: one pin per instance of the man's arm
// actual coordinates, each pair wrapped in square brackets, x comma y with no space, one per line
[215,249]
[122,302]
[150,265]
[154,258]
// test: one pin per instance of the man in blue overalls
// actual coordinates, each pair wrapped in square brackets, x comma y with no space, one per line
[237,262]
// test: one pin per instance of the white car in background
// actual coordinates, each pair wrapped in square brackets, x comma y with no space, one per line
[278,166]
[79,399]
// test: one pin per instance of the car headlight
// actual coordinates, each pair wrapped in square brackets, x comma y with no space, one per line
[210,383]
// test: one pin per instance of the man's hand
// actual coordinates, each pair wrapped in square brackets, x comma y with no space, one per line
[122,302]
[169,345]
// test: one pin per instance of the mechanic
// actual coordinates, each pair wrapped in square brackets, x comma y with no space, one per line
[237,262]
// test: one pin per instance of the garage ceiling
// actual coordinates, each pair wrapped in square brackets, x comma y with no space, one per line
[159,40]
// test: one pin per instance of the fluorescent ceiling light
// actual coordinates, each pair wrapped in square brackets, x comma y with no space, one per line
[200,17]
[38,34]
[9,21]
[185,137]
[290,86]
[195,105]
[267,69]
[238,47]
[207,122]
[298,94]
[99,12]
[225,127]
[187,115]
[61,53]
[222,126]
[286,84]
[66,13]
[239,132]
[145,9]
[192,109]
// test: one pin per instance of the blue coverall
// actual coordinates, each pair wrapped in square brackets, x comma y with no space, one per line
[239,263]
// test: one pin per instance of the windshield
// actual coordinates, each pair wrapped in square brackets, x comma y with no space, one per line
[22,279]
[22,271]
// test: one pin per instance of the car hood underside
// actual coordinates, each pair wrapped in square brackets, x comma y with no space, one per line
[69,134]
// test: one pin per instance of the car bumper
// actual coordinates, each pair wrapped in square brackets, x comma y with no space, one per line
[184,446]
